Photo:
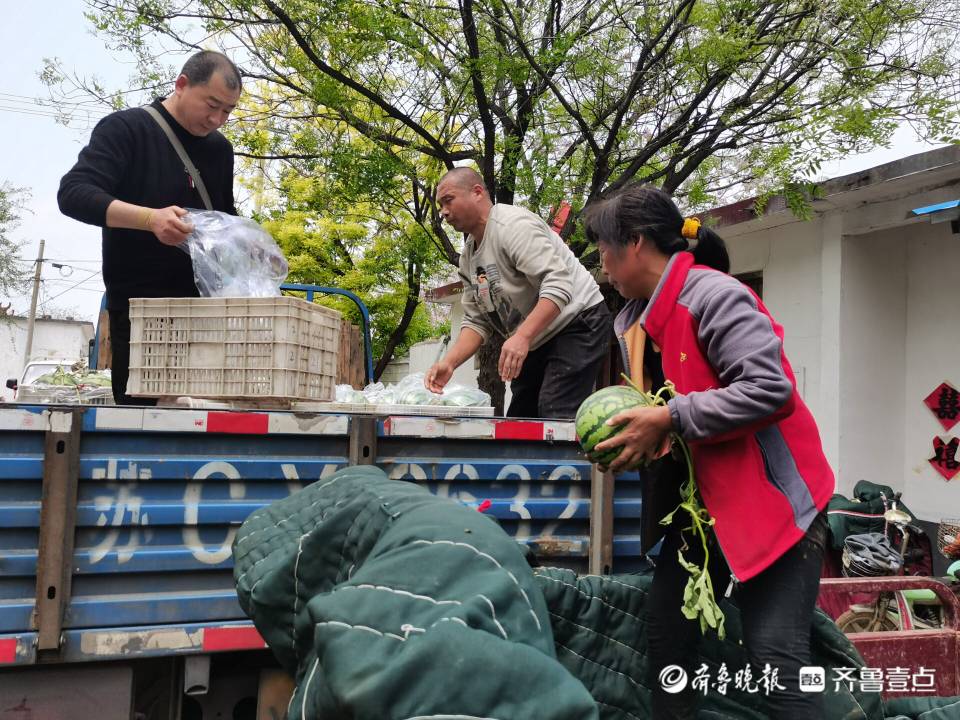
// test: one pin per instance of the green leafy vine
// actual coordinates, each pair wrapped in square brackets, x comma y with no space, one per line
[699,598]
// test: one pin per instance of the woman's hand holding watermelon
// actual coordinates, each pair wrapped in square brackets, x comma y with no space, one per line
[643,436]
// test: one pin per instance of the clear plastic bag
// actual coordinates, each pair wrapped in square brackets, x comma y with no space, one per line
[411,391]
[462,396]
[379,394]
[233,256]
[347,394]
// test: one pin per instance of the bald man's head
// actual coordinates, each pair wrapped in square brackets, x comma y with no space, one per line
[463,177]
[463,200]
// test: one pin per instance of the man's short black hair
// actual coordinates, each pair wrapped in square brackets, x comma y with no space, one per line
[201,66]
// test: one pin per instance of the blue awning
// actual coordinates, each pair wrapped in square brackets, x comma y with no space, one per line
[940,207]
[941,212]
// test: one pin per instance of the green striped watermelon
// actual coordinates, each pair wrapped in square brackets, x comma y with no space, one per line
[592,416]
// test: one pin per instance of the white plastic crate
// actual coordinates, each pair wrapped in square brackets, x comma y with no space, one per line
[233,348]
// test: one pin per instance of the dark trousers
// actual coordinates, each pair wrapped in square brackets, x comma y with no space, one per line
[120,358]
[561,373]
[776,610]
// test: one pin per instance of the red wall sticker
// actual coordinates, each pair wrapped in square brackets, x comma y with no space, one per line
[944,458]
[944,402]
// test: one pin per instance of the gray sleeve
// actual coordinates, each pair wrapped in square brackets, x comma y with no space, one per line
[536,251]
[473,317]
[746,354]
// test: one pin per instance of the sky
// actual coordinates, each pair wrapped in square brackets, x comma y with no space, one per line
[37,150]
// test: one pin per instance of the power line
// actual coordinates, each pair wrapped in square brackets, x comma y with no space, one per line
[71,288]
[72,115]
[83,285]
[59,260]
[50,103]
[98,291]
[12,97]
[70,278]
[93,102]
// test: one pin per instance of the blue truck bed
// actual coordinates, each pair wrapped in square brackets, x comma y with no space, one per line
[146,567]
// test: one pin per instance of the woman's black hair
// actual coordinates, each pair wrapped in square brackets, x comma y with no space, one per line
[649,211]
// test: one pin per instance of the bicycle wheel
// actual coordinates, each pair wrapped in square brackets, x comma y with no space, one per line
[856,621]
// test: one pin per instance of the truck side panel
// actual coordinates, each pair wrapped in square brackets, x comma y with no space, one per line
[161,493]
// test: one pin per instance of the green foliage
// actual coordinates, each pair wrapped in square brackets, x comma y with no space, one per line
[699,597]
[562,100]
[13,273]
[334,233]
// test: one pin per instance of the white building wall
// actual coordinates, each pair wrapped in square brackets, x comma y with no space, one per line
[870,306]
[932,350]
[873,326]
[790,258]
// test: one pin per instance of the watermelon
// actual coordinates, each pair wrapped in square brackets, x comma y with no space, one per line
[592,416]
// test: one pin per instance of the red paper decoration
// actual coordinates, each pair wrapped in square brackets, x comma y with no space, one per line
[944,458]
[944,402]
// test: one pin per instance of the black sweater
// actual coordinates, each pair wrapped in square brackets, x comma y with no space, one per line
[130,159]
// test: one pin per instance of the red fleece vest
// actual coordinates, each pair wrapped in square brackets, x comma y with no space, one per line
[755,523]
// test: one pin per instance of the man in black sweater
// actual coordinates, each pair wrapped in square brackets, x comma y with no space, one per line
[130,181]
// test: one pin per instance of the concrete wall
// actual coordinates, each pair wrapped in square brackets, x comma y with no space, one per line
[790,259]
[873,323]
[932,351]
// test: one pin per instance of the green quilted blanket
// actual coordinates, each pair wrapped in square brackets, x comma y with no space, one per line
[385,602]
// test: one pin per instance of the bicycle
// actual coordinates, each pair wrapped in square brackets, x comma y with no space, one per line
[900,610]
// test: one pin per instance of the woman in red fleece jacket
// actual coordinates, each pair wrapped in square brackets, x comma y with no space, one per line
[758,459]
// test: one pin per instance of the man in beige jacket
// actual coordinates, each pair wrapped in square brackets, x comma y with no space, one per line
[522,282]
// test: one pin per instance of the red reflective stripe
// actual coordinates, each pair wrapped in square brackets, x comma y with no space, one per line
[238,422]
[518,430]
[8,651]
[231,638]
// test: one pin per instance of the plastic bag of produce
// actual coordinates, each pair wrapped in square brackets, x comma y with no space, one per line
[233,256]
[347,394]
[411,391]
[461,396]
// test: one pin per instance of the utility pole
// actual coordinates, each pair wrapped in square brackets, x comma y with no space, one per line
[31,319]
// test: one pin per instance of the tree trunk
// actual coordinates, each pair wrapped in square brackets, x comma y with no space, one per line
[488,377]
[396,337]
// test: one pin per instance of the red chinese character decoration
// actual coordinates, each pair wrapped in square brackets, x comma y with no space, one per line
[944,458]
[944,402]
